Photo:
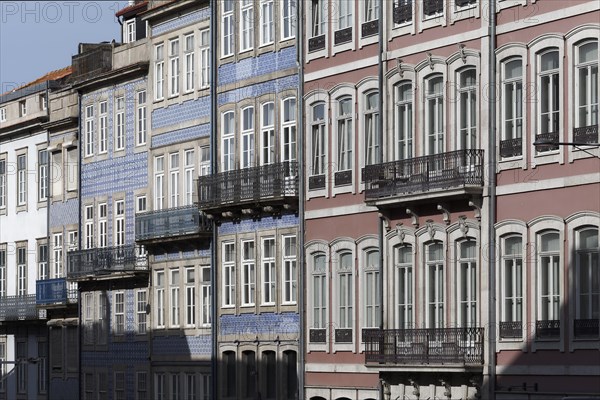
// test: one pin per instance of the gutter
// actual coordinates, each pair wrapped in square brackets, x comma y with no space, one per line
[301,197]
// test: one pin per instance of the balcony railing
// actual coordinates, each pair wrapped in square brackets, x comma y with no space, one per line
[586,328]
[171,223]
[462,346]
[433,7]
[586,134]
[455,169]
[18,308]
[551,137]
[403,13]
[547,329]
[342,36]
[106,261]
[316,43]
[249,186]
[511,148]
[370,28]
[511,329]
[54,292]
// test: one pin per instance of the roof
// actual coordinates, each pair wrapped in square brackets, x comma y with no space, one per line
[132,8]
[50,76]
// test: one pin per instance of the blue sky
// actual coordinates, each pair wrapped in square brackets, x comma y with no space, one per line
[37,37]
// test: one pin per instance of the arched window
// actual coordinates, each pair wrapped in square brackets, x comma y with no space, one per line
[345,134]
[586,84]
[267,134]
[467,283]
[434,115]
[549,90]
[403,284]
[548,318]
[512,108]
[318,147]
[371,118]
[511,291]
[403,121]
[372,289]
[467,109]
[434,259]
[587,282]
[269,375]
[345,297]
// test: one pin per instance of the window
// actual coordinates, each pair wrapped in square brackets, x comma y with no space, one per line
[345,294]
[205,288]
[228,274]
[102,225]
[318,19]
[174,297]
[267,29]
[56,171]
[247,25]
[159,176]
[318,141]
[290,374]
[434,254]
[141,300]
[403,121]
[227,28]
[89,131]
[119,313]
[434,115]
[141,118]
[130,31]
[247,137]
[88,215]
[160,388]
[249,373]
[190,386]
[588,275]
[204,160]
[3,368]
[22,108]
[512,286]
[120,223]
[204,58]
[160,299]
[319,311]
[289,269]
[88,386]
[403,281]
[371,10]
[103,126]
[205,391]
[268,271]
[432,8]
[119,385]
[42,367]
[345,18]
[548,86]
[229,374]
[141,379]
[288,17]
[190,296]
[586,83]
[188,158]
[2,270]
[175,387]
[2,184]
[21,179]
[173,78]
[189,62]
[269,369]
[267,134]
[467,282]
[22,270]
[467,109]
[72,169]
[549,281]
[43,102]
[42,175]
[248,273]
[57,254]
[174,180]
[372,289]
[120,123]
[140,202]
[345,135]
[227,154]
[289,131]
[3,114]
[371,118]
[22,366]
[512,107]
[159,71]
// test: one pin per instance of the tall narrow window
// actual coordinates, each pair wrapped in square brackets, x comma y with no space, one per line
[228,274]
[290,374]
[512,287]
[371,10]
[175,393]
[119,308]
[56,173]
[21,179]
[141,303]
[42,175]
[549,277]
[229,375]
[248,273]
[159,71]
[119,223]
[22,367]
[467,109]
[120,123]
[467,282]
[227,28]
[371,118]
[587,282]
[119,385]
[586,84]
[89,226]
[345,298]
[403,121]
[372,287]
[319,306]
[103,128]
[174,297]
[434,254]
[141,385]
[206,292]
[42,259]
[250,375]
[318,21]
[512,109]
[57,254]
[246,25]
[189,62]
[288,19]
[72,166]
[2,184]
[247,149]
[22,270]
[102,225]
[403,280]
[190,297]
[174,180]
[345,18]
[89,131]
[289,270]
[268,369]
[42,367]
[267,134]
[190,386]
[189,162]
[434,115]
[159,176]
[204,160]
[141,118]
[160,299]
[288,129]
[160,386]
[227,153]
[345,135]
[22,108]
[173,67]
[3,114]
[318,143]
[130,31]
[268,271]
[549,90]
[204,58]
[2,271]
[267,29]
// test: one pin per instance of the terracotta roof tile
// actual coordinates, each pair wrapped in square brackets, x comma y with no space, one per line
[131,8]
[50,76]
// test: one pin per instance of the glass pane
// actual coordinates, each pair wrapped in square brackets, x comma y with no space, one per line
[588,52]
[513,69]
[588,239]
[549,61]
[550,242]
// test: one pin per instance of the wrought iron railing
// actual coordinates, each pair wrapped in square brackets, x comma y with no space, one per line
[586,328]
[316,182]
[586,134]
[317,336]
[511,147]
[422,174]
[424,346]
[370,28]
[105,261]
[171,222]
[342,178]
[343,335]
[511,329]
[342,36]
[17,308]
[550,137]
[403,13]
[433,7]
[249,185]
[464,3]
[316,43]
[54,291]
[547,329]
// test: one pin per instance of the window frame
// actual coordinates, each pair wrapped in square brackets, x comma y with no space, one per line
[289,266]
[119,123]
[141,118]
[159,71]
[173,68]
[227,35]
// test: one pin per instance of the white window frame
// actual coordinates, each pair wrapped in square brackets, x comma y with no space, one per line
[21,256]
[247,137]
[159,71]
[553,309]
[317,26]
[228,141]
[228,299]
[3,183]
[103,127]
[120,123]
[173,70]
[102,225]
[22,179]
[89,131]
[267,133]
[204,59]
[141,317]
[403,142]
[289,265]
[369,285]
[343,159]
[190,280]
[188,176]
[174,163]
[189,64]
[57,254]
[174,276]
[3,114]
[141,118]
[268,271]
[43,180]
[289,133]
[159,177]
[434,101]
[318,143]
[267,22]
[514,86]
[435,273]
[159,298]
[468,294]
[288,9]
[88,229]
[246,25]
[248,265]
[467,126]
[119,313]
[206,293]
[119,230]
[344,307]
[42,261]
[227,34]
[130,31]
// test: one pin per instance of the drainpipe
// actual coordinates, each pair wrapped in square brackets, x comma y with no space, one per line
[301,174]
[79,169]
[492,201]
[381,154]
[213,169]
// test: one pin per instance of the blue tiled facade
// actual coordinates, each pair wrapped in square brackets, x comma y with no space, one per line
[180,22]
[179,346]
[247,326]
[268,87]
[181,135]
[265,63]
[178,113]
[248,225]
[64,213]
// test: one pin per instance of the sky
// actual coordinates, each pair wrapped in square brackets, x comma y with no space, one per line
[37,37]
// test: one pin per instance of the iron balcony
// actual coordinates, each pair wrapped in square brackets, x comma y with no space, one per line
[249,188]
[448,174]
[18,308]
[106,262]
[427,346]
[171,224]
[54,292]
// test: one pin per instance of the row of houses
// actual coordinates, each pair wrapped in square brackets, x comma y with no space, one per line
[325,199]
